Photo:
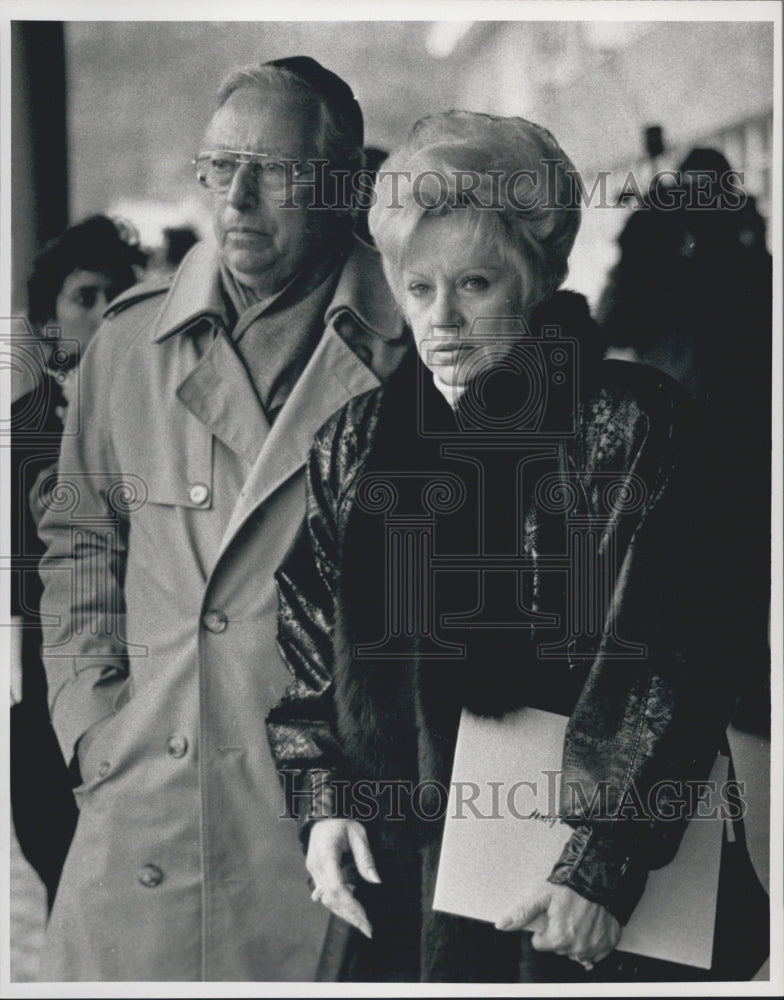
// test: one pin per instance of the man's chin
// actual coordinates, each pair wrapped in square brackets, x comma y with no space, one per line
[251,268]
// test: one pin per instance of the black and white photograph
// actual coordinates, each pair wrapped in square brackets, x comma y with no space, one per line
[391,452]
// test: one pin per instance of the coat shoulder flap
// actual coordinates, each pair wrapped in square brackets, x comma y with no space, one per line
[147,291]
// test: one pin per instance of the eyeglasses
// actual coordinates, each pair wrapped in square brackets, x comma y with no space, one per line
[215,169]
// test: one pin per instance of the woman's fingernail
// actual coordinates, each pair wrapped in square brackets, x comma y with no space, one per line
[505,924]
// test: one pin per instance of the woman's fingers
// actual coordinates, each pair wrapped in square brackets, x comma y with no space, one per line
[577,927]
[325,852]
[525,914]
[340,900]
[586,963]
[565,923]
[602,953]
[330,839]
[363,859]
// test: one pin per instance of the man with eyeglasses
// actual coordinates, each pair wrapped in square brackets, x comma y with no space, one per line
[181,488]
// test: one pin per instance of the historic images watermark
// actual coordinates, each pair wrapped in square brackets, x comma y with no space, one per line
[546,798]
[46,363]
[315,184]
[37,361]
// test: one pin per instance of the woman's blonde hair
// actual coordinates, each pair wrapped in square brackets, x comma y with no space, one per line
[518,189]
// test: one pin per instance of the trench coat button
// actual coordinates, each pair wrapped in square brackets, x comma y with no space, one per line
[103,768]
[215,621]
[199,493]
[177,745]
[150,876]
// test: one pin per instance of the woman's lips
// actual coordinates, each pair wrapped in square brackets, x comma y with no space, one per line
[441,354]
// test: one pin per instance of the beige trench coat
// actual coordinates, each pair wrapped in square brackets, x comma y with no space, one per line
[183,866]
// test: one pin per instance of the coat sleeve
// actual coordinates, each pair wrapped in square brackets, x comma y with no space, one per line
[646,728]
[84,530]
[302,728]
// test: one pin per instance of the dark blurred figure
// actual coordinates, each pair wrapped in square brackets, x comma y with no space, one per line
[169,254]
[73,280]
[179,240]
[373,156]
[691,295]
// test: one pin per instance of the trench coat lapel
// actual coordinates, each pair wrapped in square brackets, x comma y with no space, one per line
[332,377]
[219,392]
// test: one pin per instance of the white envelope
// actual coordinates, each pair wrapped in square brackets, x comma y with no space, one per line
[501,836]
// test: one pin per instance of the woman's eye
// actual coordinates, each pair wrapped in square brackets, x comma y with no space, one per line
[418,288]
[475,283]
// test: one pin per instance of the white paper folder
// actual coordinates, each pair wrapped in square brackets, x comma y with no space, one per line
[501,837]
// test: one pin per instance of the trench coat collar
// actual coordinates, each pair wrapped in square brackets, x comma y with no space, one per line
[362,292]
[195,294]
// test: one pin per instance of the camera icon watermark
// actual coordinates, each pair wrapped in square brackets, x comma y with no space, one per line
[42,365]
[501,361]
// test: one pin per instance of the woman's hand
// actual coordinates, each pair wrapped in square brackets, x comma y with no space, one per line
[585,931]
[331,840]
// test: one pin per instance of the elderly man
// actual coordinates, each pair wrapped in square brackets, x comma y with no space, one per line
[180,490]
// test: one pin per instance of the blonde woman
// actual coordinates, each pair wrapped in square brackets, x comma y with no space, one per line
[427,579]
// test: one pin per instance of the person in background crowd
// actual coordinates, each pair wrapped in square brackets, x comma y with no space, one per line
[73,280]
[691,294]
[200,399]
[179,240]
[165,259]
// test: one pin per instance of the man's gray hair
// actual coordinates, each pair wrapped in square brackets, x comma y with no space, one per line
[336,139]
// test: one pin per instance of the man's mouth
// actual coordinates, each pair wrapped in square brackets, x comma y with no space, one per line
[244,233]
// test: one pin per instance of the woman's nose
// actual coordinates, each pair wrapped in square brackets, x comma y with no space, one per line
[445,311]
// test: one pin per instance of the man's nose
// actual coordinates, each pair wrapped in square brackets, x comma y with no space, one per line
[244,190]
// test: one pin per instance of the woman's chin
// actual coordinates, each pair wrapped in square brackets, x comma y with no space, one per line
[449,376]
